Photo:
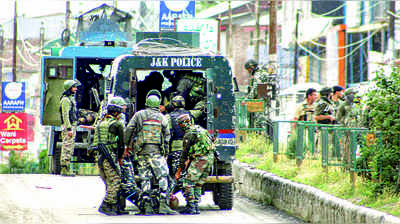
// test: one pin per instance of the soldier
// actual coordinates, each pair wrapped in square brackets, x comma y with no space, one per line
[337,97]
[178,103]
[197,158]
[109,141]
[150,127]
[260,81]
[324,110]
[69,121]
[345,116]
[305,111]
[129,189]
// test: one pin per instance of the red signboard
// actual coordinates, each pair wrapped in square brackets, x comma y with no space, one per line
[13,131]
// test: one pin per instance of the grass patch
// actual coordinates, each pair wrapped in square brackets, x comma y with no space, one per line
[258,152]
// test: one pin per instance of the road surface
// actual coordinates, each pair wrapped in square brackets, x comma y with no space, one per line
[48,199]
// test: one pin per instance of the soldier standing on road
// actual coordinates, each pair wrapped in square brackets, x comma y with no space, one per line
[197,158]
[305,111]
[110,132]
[69,121]
[150,127]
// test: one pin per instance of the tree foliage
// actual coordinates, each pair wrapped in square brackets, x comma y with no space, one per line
[383,103]
[202,5]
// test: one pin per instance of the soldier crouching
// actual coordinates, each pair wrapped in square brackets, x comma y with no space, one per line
[197,158]
[150,129]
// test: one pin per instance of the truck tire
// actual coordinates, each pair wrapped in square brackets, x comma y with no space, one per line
[56,161]
[225,196]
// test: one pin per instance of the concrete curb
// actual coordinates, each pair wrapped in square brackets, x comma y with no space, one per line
[302,201]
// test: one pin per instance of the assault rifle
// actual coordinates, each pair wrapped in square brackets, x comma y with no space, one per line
[102,149]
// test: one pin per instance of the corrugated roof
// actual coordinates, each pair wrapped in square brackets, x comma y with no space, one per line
[220,8]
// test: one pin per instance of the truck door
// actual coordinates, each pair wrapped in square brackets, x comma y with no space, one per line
[54,72]
[212,113]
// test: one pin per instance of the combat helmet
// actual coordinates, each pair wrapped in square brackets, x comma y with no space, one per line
[70,83]
[178,102]
[184,120]
[350,91]
[250,64]
[117,100]
[325,91]
[115,104]
[153,98]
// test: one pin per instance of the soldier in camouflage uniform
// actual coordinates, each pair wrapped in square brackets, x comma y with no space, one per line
[110,132]
[149,131]
[198,150]
[260,76]
[129,188]
[349,113]
[69,121]
[324,110]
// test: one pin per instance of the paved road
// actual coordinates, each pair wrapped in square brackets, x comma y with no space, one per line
[49,199]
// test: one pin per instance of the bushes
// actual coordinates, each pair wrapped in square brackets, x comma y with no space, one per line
[383,105]
[25,163]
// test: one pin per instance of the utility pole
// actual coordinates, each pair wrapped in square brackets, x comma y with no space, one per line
[295,47]
[229,34]
[41,38]
[1,51]
[14,59]
[115,4]
[67,14]
[392,9]
[257,36]
[272,31]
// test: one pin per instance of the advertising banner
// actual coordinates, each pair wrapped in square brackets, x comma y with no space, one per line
[208,29]
[13,131]
[13,96]
[170,10]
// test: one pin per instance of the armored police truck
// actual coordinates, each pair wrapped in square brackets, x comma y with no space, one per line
[110,68]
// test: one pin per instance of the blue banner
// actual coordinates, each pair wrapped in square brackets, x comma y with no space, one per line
[12,96]
[168,16]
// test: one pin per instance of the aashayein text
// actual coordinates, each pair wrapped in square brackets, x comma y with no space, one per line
[176,62]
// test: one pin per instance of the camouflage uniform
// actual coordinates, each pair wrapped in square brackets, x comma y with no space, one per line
[259,119]
[110,132]
[69,121]
[324,107]
[199,148]
[150,129]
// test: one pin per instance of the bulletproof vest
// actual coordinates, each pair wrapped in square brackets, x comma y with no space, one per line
[177,133]
[72,113]
[204,144]
[152,130]
[103,134]
[327,110]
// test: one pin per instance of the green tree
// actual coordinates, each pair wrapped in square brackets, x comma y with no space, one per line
[383,103]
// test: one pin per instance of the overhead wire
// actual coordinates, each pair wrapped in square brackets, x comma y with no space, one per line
[339,58]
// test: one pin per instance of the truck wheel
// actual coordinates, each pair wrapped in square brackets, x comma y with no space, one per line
[225,196]
[56,161]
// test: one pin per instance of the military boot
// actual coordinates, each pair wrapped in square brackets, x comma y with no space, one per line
[189,209]
[164,207]
[145,206]
[134,198]
[108,209]
[196,207]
